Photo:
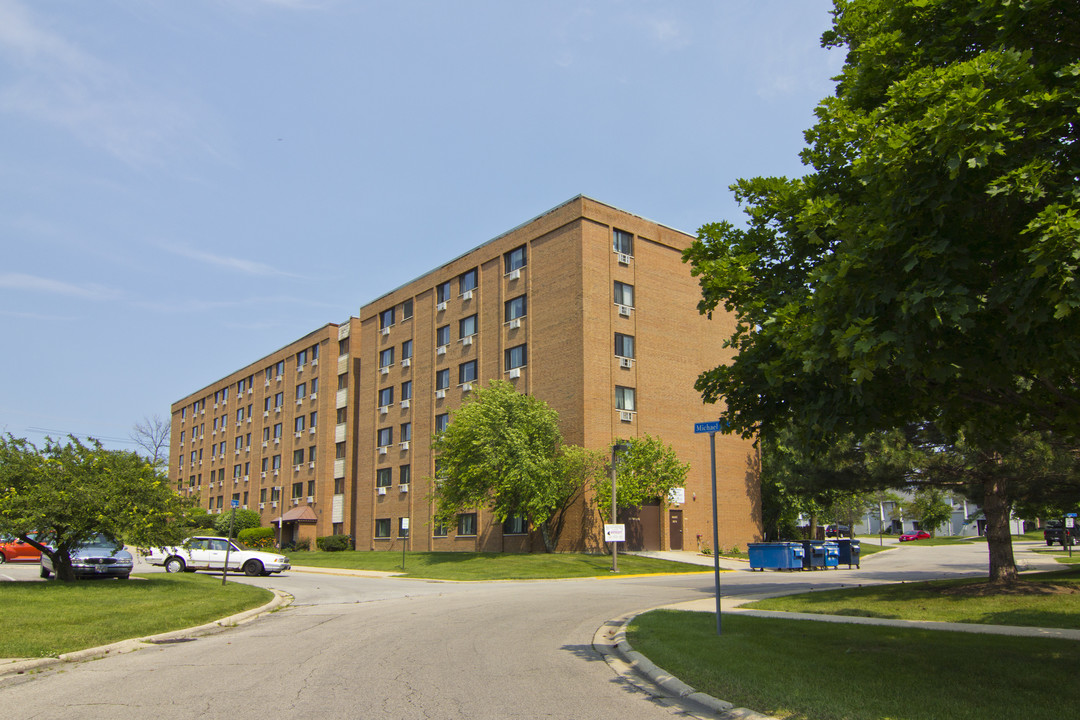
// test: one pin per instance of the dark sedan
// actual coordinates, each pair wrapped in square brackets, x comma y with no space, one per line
[98,557]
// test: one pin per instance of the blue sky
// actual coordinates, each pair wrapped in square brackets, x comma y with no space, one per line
[188,186]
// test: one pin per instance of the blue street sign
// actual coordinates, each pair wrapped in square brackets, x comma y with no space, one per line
[708,427]
[1070,514]
[236,503]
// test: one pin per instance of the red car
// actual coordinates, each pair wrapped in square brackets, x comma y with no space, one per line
[15,550]
[917,535]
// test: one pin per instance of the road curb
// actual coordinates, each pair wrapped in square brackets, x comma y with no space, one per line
[610,641]
[21,667]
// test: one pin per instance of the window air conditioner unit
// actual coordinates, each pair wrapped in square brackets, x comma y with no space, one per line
[250,390]
[466,387]
[515,373]
[245,478]
[384,370]
[314,362]
[279,377]
[439,395]
[404,488]
[624,310]
[245,507]
[626,415]
[237,451]
[214,431]
[296,501]
[277,409]
[249,419]
[405,445]
[381,491]
[467,340]
[311,464]
[266,413]
[311,431]
[625,362]
[273,504]
[298,434]
[310,499]
[275,472]
[404,404]
[299,401]
[262,505]
[296,468]
[237,423]
[299,368]
[266,384]
[264,443]
[313,396]
[441,350]
[386,330]
[277,441]
[515,323]
[203,412]
[263,474]
[467,295]
[406,362]
[215,406]
[441,306]
[382,449]
[383,409]
[624,259]
[515,274]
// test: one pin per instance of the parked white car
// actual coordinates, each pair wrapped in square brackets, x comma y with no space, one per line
[208,553]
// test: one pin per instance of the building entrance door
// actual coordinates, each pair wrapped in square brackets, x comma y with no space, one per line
[675,534]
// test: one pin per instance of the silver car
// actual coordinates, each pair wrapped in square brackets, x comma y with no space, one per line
[98,557]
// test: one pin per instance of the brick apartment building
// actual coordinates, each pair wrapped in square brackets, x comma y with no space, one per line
[586,307]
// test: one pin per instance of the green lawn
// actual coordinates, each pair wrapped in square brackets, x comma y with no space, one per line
[945,600]
[45,619]
[824,671]
[489,566]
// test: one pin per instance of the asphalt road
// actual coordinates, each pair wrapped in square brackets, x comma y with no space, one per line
[352,647]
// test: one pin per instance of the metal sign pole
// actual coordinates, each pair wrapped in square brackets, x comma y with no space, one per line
[715,529]
[228,545]
[614,520]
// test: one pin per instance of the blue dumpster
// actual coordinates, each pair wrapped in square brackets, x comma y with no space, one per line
[775,556]
[849,552]
[814,554]
[832,554]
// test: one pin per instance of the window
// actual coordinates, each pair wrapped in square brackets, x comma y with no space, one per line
[514,259]
[403,528]
[279,400]
[386,357]
[298,457]
[386,318]
[314,385]
[386,396]
[624,345]
[314,353]
[624,294]
[343,346]
[466,524]
[406,309]
[342,416]
[311,455]
[438,530]
[515,525]
[275,462]
[467,326]
[266,434]
[514,308]
[406,432]
[516,357]
[622,242]
[339,451]
[384,477]
[441,421]
[262,495]
[311,488]
[386,436]
[339,486]
[313,420]
[301,358]
[301,391]
[239,443]
[406,390]
[406,350]
[442,335]
[298,424]
[382,528]
[181,436]
[277,430]
[279,368]
[265,464]
[442,379]
[342,381]
[266,404]
[624,398]
[297,489]
[442,292]
[467,372]
[404,474]
[467,281]
[236,470]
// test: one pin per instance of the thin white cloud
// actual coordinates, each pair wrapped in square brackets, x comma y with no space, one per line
[53,81]
[241,265]
[190,306]
[35,283]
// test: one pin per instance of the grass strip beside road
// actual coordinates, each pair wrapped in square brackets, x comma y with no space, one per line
[801,669]
[46,619]
[1041,600]
[490,566]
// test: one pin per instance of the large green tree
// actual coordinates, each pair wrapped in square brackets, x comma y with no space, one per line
[503,450]
[68,492]
[647,470]
[926,266]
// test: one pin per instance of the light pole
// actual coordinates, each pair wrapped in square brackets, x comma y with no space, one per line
[615,450]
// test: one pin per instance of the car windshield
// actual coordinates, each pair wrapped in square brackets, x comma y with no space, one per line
[103,542]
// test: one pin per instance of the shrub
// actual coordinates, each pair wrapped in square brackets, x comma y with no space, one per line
[334,543]
[256,538]
[244,519]
[304,544]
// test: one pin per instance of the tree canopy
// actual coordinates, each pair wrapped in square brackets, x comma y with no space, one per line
[926,267]
[68,492]
[502,449]
[647,470]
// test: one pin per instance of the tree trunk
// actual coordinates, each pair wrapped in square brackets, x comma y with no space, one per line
[998,537]
[549,544]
